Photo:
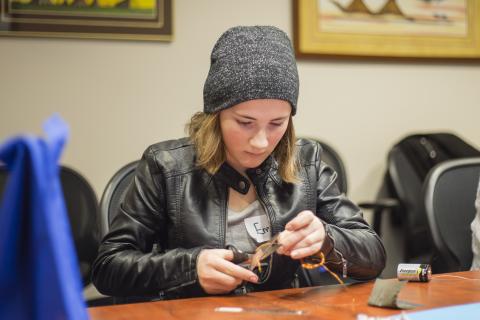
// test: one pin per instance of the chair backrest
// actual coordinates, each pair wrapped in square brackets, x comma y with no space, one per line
[450,193]
[114,193]
[406,186]
[405,229]
[82,207]
[332,158]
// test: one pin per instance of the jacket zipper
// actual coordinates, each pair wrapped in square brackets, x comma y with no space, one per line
[343,261]
[224,217]
[266,208]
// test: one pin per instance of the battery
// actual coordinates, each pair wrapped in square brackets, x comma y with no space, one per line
[414,272]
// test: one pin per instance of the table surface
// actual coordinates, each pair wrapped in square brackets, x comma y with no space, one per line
[327,302]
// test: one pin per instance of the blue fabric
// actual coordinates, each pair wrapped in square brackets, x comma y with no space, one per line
[464,311]
[39,273]
[469,311]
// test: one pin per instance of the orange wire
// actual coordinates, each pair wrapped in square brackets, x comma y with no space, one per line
[321,256]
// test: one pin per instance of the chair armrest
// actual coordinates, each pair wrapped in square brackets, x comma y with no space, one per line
[379,207]
[380,204]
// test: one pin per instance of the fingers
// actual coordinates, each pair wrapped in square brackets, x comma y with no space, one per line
[219,282]
[236,271]
[295,230]
[302,220]
[304,237]
[226,254]
[288,239]
[303,252]
[316,235]
[218,275]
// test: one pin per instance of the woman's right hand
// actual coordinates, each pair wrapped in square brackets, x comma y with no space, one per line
[218,275]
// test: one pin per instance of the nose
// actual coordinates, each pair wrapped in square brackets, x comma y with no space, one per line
[259,140]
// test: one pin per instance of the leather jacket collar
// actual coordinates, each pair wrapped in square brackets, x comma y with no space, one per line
[238,181]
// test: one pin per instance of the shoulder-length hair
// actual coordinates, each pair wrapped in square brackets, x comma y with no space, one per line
[206,135]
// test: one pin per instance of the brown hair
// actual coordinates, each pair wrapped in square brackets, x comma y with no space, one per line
[205,133]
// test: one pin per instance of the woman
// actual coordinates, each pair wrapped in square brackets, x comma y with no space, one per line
[241,178]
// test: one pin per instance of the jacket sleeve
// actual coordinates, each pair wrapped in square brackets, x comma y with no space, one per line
[351,247]
[126,264]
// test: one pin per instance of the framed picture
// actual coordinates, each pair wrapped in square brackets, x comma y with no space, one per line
[442,29]
[99,19]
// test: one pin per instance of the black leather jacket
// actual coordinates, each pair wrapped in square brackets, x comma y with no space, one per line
[173,209]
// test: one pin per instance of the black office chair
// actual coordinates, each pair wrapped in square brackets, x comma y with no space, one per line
[399,215]
[82,207]
[114,193]
[450,193]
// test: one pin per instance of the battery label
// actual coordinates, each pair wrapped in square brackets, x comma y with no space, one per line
[414,272]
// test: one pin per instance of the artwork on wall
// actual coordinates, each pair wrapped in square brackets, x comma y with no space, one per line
[445,29]
[98,19]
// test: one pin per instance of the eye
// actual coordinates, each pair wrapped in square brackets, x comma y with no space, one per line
[244,123]
[276,124]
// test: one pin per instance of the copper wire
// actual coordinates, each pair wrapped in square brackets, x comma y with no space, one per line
[321,263]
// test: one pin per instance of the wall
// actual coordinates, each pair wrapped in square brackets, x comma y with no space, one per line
[121,96]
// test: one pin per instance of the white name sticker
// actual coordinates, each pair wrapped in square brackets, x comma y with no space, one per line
[258,228]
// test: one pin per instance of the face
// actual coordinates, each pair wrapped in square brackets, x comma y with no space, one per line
[252,129]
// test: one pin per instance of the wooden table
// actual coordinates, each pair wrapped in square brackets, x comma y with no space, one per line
[327,302]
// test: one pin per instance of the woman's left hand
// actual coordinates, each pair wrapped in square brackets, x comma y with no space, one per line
[303,236]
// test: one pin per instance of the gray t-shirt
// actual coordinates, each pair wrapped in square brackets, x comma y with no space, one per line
[247,228]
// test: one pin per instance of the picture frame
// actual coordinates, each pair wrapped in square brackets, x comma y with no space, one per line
[149,20]
[399,29]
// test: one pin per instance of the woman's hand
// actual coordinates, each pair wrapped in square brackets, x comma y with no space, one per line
[217,275]
[303,236]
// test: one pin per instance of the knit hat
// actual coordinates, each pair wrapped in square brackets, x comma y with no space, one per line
[251,63]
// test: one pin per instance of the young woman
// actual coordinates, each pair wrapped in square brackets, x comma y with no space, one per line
[241,178]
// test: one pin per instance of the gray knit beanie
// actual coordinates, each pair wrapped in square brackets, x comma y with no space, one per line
[251,63]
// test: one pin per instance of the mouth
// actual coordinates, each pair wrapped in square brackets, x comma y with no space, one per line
[255,154]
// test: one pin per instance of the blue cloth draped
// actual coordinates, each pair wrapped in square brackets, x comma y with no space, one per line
[39,273]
